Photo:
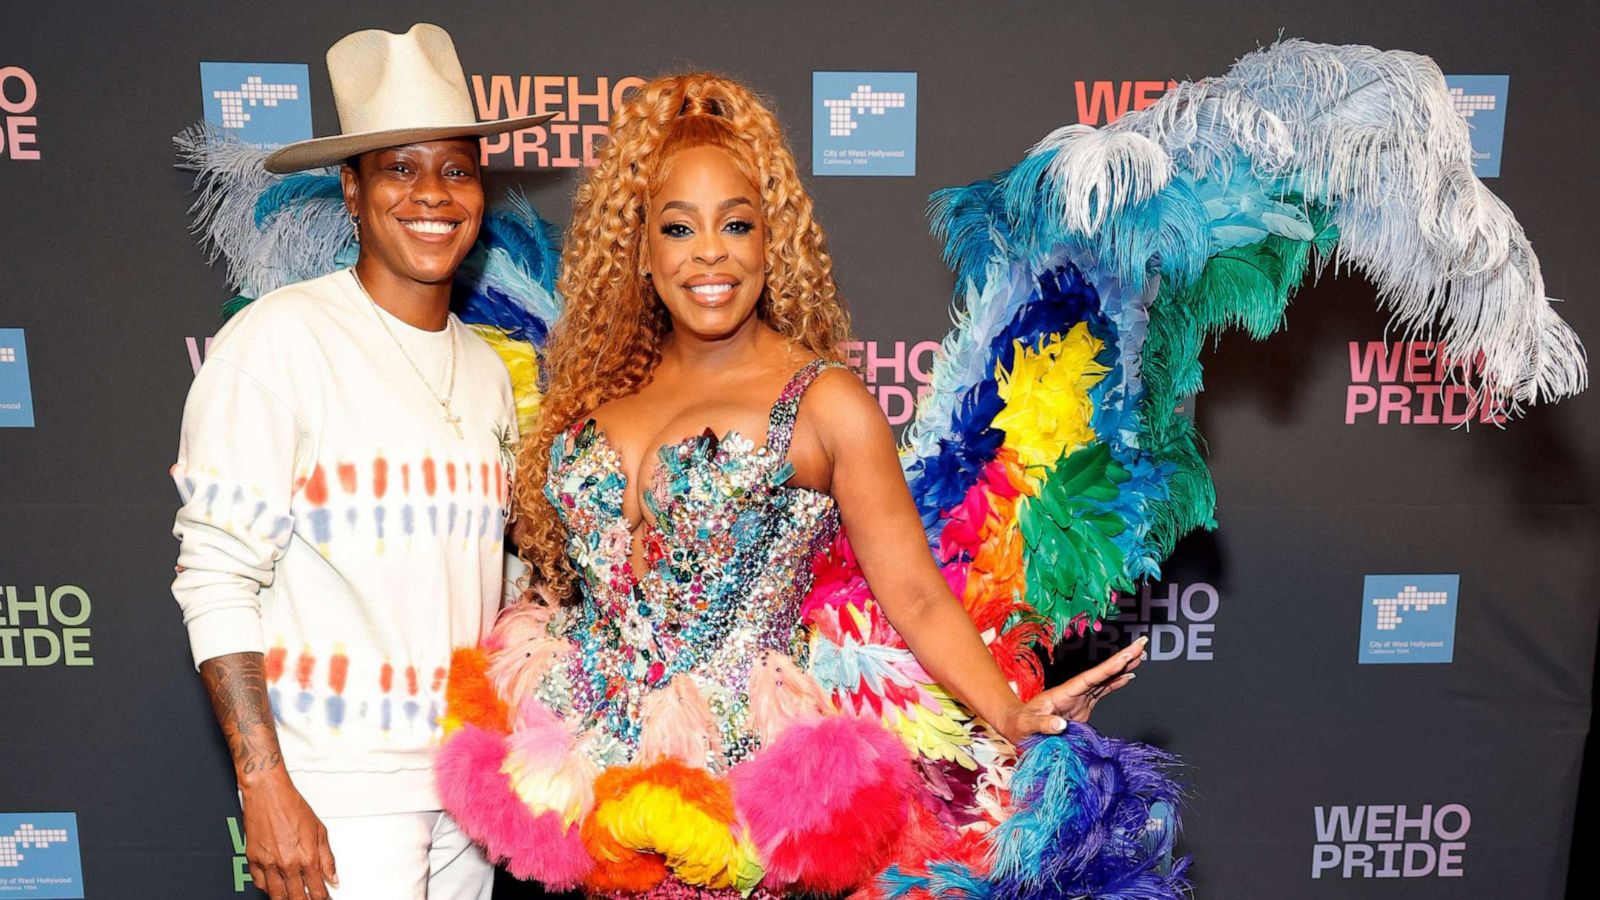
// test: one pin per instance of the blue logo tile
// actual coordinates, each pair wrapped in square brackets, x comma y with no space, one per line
[262,104]
[1409,618]
[1481,100]
[39,856]
[863,123]
[16,396]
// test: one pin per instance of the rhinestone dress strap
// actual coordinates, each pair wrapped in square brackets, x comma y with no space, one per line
[780,424]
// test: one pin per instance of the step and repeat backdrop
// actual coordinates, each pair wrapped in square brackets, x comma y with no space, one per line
[1378,670]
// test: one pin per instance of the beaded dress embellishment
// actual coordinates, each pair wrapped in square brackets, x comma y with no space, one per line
[728,546]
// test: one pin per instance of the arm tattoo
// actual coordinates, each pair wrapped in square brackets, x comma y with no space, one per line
[238,689]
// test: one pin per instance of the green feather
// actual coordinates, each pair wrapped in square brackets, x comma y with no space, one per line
[1071,564]
[234,304]
[1245,287]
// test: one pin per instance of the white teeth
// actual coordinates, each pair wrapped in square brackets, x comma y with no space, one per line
[711,290]
[423,227]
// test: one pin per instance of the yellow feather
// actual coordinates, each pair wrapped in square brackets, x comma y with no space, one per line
[943,735]
[1047,408]
[567,788]
[523,364]
[699,848]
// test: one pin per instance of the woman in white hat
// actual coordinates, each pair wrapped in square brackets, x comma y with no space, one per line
[345,486]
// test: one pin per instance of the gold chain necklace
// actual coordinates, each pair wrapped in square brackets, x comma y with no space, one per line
[450,379]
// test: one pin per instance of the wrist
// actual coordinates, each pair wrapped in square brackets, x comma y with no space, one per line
[1008,719]
[264,781]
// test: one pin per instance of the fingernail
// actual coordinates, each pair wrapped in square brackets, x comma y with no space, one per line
[1058,725]
[1143,639]
[1130,676]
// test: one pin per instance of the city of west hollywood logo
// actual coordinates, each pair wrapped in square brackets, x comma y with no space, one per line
[1481,100]
[39,856]
[863,123]
[16,394]
[1409,618]
[19,93]
[262,104]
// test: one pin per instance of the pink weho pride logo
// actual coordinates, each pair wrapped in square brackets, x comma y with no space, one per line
[198,348]
[1104,102]
[896,372]
[1415,383]
[582,107]
[18,94]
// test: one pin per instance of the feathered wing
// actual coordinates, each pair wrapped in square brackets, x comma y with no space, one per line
[275,230]
[1049,461]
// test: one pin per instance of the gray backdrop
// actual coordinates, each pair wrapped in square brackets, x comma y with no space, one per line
[1275,717]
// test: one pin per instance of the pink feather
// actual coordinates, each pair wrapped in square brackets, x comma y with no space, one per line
[782,695]
[677,725]
[836,580]
[480,798]
[542,754]
[826,802]
[963,524]
[523,652]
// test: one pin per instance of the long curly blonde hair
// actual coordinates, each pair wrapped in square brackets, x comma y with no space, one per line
[608,340]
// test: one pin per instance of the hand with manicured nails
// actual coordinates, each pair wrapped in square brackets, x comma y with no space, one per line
[1074,699]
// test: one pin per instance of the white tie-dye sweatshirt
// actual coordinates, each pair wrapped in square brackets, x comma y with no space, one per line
[335,522]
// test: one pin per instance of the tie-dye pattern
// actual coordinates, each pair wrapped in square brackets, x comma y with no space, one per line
[333,521]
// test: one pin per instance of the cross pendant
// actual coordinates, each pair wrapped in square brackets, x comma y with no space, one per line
[454,421]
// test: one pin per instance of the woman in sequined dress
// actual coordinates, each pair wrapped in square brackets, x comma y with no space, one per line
[700,447]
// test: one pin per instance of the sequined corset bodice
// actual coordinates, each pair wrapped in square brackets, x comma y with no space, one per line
[728,546]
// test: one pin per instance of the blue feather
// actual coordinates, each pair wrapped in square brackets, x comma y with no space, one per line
[529,239]
[895,883]
[1082,824]
[1092,817]
[294,190]
[484,305]
[941,480]
[1034,207]
[1063,299]
[1116,422]
[971,221]
[508,280]
[1168,231]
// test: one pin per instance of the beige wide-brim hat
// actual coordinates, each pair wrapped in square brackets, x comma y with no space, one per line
[393,89]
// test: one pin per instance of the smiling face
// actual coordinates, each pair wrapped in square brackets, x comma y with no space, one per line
[707,243]
[420,206]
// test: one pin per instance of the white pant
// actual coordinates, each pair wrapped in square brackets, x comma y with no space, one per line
[406,856]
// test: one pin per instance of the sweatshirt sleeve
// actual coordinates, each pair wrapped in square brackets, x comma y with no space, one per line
[238,465]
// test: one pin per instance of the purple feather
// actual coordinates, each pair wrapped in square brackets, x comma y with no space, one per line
[1083,824]
[1092,818]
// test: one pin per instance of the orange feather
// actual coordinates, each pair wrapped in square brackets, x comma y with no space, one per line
[470,697]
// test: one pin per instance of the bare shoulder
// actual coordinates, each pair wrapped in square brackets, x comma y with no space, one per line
[842,410]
